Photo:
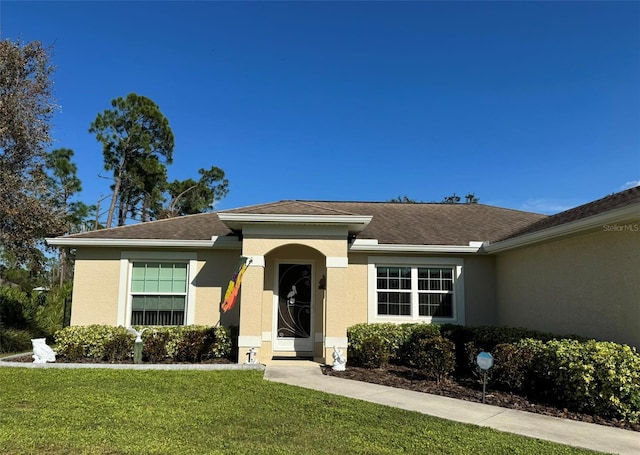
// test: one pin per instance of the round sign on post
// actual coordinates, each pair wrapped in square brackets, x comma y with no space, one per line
[484,360]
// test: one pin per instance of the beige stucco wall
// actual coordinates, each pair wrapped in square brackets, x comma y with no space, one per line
[215,269]
[480,290]
[96,285]
[354,311]
[97,282]
[588,284]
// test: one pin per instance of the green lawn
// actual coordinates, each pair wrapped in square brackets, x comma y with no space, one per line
[64,411]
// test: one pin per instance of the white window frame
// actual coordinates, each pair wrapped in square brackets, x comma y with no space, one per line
[127,258]
[456,264]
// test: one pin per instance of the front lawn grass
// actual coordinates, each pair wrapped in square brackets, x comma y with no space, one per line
[87,411]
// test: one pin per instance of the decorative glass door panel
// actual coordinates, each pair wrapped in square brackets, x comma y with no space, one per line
[294,295]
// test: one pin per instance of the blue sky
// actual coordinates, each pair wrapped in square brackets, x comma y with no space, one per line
[529,105]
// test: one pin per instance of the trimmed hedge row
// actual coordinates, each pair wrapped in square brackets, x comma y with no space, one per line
[580,374]
[177,343]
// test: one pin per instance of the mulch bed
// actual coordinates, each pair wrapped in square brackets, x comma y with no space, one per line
[470,390]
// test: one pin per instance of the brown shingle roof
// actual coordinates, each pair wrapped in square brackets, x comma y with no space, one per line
[191,227]
[413,223]
[392,223]
[605,204]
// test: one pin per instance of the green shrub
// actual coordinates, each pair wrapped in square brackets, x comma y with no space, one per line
[594,376]
[411,344]
[107,343]
[118,345]
[196,343]
[372,353]
[95,342]
[488,337]
[12,304]
[432,356]
[383,341]
[49,310]
[512,366]
[154,349]
[461,336]
[70,344]
[186,344]
[14,340]
[470,341]
[219,344]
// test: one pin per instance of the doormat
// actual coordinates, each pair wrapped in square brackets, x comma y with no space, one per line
[284,357]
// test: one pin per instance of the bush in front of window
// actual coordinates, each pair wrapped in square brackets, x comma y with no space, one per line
[374,345]
[433,356]
[154,349]
[94,342]
[118,346]
[416,332]
[161,344]
[373,353]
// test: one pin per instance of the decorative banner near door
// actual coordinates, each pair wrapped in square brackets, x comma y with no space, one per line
[231,296]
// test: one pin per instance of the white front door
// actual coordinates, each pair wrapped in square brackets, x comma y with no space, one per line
[293,308]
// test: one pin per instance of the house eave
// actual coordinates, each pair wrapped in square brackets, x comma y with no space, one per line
[354,223]
[372,246]
[599,220]
[214,242]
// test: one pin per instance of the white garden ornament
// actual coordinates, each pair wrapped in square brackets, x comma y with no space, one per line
[41,352]
[339,360]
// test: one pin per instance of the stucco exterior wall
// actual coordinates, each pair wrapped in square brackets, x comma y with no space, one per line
[588,284]
[354,309]
[96,286]
[480,290]
[215,269]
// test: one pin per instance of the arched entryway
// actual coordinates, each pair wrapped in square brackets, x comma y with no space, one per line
[294,272]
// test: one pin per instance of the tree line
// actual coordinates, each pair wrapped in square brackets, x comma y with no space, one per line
[470,198]
[39,188]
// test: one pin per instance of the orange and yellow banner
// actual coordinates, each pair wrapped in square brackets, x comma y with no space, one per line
[231,295]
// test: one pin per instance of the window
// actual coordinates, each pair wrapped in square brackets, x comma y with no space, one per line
[416,289]
[394,291]
[158,293]
[435,292]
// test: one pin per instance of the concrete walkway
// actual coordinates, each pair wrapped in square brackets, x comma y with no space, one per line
[573,433]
